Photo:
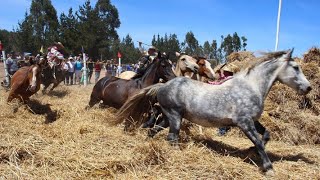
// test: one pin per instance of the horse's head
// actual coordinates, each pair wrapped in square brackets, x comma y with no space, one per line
[164,67]
[34,74]
[205,68]
[290,73]
[187,64]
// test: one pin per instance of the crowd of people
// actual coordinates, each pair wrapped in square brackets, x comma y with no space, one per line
[73,66]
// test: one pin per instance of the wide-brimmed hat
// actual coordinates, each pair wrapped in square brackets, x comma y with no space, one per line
[70,58]
[152,48]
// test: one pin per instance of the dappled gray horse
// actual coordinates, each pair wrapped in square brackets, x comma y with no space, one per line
[237,102]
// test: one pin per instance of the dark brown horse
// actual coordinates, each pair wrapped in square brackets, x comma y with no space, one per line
[114,91]
[52,75]
[25,82]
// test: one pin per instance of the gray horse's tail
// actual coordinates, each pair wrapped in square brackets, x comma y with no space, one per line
[133,111]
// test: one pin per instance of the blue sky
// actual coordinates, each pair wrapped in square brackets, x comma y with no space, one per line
[207,19]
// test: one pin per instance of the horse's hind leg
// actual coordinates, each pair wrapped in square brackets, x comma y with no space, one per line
[248,127]
[262,130]
[153,118]
[164,123]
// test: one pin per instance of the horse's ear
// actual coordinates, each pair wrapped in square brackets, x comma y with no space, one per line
[42,62]
[178,54]
[289,54]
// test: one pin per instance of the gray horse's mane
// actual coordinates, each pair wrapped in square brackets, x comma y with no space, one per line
[266,57]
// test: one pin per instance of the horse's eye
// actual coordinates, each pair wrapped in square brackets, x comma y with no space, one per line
[183,59]
[296,68]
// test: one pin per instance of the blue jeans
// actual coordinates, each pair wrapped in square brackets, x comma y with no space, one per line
[96,76]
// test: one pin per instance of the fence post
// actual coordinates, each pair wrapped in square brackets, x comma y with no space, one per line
[5,67]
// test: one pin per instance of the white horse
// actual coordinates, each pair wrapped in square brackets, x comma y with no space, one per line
[237,102]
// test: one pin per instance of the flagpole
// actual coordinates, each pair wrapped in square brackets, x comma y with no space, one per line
[278,26]
[85,68]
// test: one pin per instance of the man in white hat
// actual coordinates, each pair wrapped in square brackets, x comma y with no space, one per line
[55,55]
[147,58]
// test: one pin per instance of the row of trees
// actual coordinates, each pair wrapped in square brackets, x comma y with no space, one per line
[229,44]
[94,28]
[91,27]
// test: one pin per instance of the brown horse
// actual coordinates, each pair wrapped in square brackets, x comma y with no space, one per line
[185,65]
[205,70]
[25,82]
[114,91]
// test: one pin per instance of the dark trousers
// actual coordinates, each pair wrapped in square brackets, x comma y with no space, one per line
[69,78]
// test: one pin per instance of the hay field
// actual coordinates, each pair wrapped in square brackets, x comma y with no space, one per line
[55,138]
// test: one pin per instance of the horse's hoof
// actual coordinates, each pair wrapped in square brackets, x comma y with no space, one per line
[151,133]
[270,173]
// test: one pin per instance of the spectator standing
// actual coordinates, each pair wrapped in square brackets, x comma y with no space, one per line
[69,78]
[90,67]
[77,70]
[65,69]
[12,65]
[97,70]
[82,76]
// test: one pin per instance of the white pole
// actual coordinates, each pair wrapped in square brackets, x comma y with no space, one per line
[5,67]
[119,67]
[278,25]
[85,70]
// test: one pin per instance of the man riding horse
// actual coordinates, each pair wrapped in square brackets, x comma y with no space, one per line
[55,57]
[147,58]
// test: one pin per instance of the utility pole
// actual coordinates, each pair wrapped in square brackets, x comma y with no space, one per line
[278,26]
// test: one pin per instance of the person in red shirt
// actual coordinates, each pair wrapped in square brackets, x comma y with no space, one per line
[97,70]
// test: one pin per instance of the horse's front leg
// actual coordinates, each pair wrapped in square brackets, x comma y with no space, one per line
[54,85]
[262,130]
[174,119]
[248,127]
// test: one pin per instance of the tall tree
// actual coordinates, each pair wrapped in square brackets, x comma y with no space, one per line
[69,35]
[207,49]
[88,25]
[191,44]
[227,45]
[173,43]
[24,36]
[44,22]
[7,39]
[130,54]
[236,42]
[108,23]
[244,42]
